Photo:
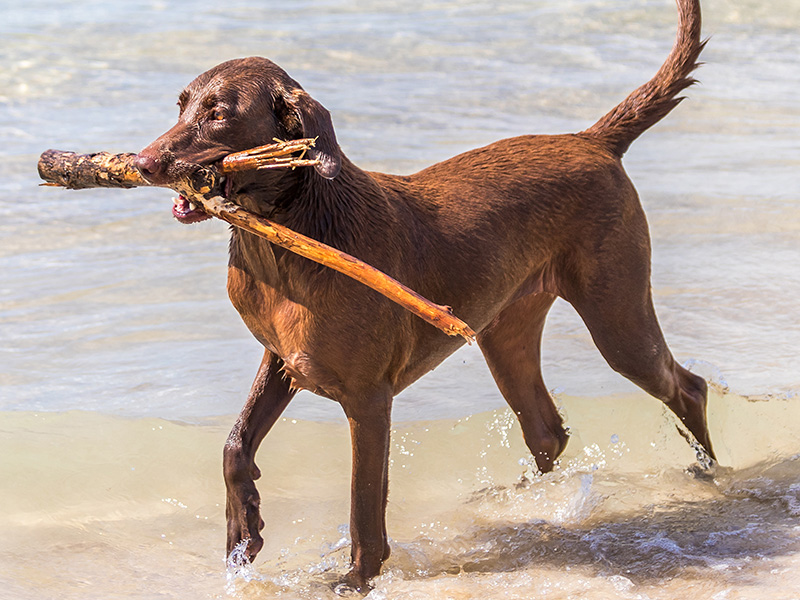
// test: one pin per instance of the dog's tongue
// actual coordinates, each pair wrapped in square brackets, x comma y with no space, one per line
[186,212]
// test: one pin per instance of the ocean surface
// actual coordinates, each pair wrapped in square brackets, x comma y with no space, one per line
[123,365]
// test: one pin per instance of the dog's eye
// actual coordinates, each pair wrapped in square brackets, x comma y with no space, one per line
[217,114]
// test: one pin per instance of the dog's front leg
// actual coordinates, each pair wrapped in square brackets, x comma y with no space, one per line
[370,421]
[268,398]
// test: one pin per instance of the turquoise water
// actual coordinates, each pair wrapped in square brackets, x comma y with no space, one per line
[114,320]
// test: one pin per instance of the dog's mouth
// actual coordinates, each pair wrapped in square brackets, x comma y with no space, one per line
[188,212]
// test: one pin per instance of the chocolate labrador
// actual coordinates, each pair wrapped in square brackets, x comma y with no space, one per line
[498,233]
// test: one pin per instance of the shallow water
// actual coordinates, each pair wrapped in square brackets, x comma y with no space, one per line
[121,360]
[106,506]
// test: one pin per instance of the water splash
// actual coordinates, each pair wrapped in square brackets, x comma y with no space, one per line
[345,590]
[333,555]
[239,568]
[705,463]
[708,371]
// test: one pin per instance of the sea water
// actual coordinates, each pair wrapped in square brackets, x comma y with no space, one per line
[122,363]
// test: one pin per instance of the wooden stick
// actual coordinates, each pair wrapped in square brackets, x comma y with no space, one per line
[81,171]
[273,156]
[75,171]
[103,169]
[435,314]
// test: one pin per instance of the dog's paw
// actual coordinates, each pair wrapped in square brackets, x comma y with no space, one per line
[244,525]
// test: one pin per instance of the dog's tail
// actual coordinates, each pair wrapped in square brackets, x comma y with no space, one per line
[651,102]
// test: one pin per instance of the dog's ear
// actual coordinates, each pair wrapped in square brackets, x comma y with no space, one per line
[307,118]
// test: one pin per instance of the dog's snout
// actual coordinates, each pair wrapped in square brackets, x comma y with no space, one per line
[147,165]
[151,168]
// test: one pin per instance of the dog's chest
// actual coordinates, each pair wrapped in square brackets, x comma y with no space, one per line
[286,328]
[274,319]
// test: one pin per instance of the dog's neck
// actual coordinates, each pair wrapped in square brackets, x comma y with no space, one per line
[342,212]
[332,211]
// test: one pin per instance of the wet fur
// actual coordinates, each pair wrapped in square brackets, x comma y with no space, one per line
[498,233]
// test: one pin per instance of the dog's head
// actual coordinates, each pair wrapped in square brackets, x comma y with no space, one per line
[237,105]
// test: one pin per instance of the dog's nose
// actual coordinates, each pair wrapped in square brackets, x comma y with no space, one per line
[150,167]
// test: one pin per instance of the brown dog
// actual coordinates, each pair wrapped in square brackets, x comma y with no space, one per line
[497,233]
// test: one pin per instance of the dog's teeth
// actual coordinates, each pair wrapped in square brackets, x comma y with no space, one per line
[192,206]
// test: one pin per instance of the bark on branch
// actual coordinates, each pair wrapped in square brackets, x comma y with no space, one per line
[201,186]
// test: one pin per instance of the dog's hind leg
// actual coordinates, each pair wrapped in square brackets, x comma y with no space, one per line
[269,396]
[511,345]
[613,297]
